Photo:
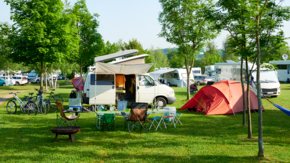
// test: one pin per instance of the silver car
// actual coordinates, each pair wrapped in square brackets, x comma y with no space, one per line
[202,79]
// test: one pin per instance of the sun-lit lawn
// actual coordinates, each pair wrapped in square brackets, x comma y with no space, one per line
[219,138]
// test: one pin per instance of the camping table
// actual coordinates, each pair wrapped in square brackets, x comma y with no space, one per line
[149,111]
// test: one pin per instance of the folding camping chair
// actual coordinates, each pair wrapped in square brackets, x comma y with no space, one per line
[138,116]
[107,121]
[62,119]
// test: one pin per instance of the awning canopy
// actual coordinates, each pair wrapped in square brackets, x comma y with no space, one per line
[125,69]
[156,74]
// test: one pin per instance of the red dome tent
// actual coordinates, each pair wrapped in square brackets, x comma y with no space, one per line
[223,97]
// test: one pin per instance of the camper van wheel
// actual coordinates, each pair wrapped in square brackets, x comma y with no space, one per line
[37,81]
[16,83]
[168,84]
[3,84]
[274,96]
[161,99]
[198,83]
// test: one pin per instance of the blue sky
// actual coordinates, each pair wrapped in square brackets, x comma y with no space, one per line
[129,19]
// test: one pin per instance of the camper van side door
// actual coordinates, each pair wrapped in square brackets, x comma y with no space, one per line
[146,89]
[102,89]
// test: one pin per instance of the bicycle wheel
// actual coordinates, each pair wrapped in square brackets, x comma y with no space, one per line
[45,107]
[25,100]
[34,98]
[31,108]
[53,99]
[11,107]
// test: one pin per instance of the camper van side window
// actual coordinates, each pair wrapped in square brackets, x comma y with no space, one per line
[218,71]
[174,75]
[102,79]
[281,67]
[145,81]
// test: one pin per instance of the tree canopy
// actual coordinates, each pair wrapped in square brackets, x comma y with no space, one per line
[184,24]
[40,33]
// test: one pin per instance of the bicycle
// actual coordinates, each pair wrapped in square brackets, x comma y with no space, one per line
[53,98]
[42,103]
[25,107]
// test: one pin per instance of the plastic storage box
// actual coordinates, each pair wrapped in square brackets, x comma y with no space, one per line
[171,111]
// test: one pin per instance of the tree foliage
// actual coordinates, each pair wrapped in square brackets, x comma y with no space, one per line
[91,42]
[230,52]
[160,59]
[184,24]
[40,33]
[175,60]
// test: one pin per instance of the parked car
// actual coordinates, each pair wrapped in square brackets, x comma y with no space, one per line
[202,79]
[20,80]
[8,79]
[5,83]
[36,79]
[61,77]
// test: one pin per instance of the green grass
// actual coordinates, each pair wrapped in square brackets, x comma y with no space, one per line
[219,138]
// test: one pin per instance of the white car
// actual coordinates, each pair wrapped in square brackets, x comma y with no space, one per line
[20,80]
[36,79]
[202,79]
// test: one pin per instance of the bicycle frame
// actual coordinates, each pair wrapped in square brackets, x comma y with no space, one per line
[21,103]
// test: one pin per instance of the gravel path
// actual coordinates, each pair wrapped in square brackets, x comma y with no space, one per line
[6,97]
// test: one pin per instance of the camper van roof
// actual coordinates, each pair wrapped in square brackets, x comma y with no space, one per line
[281,62]
[115,55]
[130,58]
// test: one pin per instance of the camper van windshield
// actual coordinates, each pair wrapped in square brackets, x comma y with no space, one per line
[266,76]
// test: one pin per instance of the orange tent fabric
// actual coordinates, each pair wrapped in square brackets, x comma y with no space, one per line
[223,97]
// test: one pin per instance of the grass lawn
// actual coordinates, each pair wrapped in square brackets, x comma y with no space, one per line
[218,138]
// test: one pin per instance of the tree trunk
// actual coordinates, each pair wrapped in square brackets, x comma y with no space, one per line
[41,75]
[51,79]
[188,71]
[243,88]
[81,75]
[45,79]
[260,121]
[55,82]
[248,101]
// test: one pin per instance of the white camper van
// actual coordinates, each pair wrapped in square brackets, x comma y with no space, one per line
[196,71]
[283,70]
[171,76]
[107,83]
[231,71]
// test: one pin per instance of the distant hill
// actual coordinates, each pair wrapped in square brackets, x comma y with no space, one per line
[199,55]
